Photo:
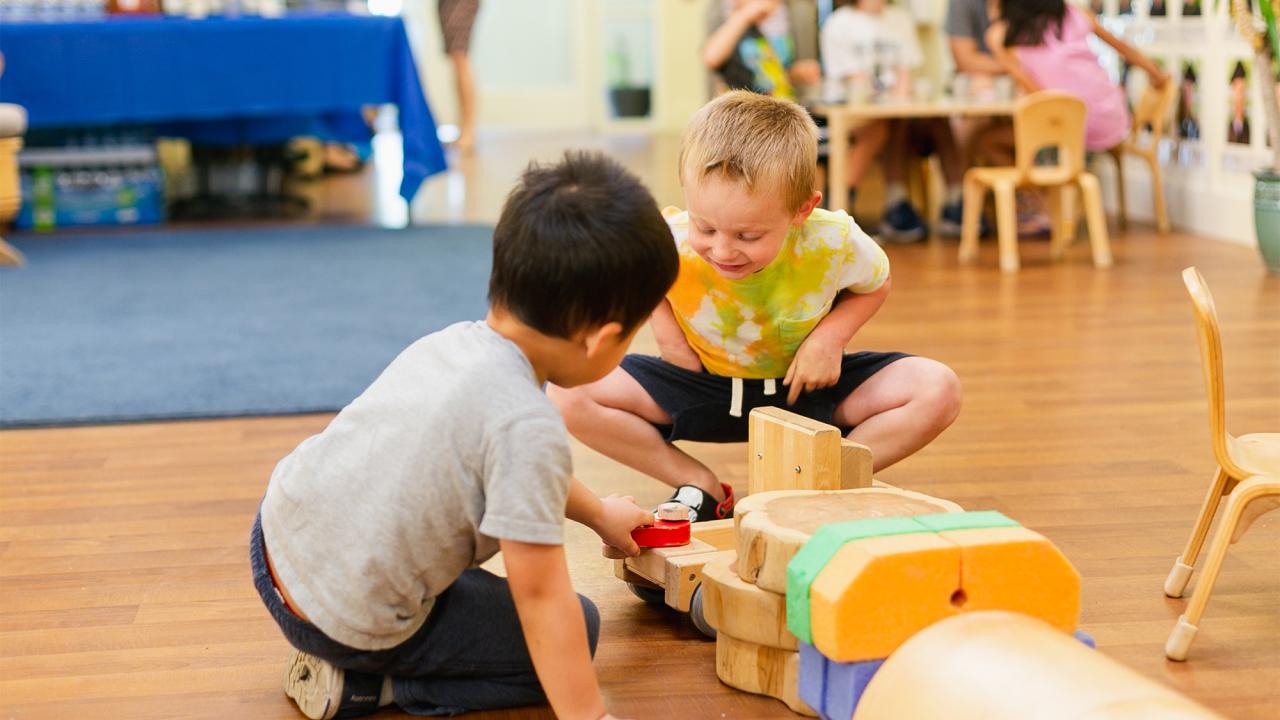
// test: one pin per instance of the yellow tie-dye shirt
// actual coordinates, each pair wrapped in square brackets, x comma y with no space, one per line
[751,328]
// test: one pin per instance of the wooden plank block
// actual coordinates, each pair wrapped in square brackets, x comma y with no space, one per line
[856,465]
[653,563]
[626,574]
[743,610]
[791,452]
[684,573]
[1013,568]
[719,533]
[772,527]
[760,670]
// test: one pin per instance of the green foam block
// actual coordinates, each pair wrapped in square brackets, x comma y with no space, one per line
[814,556]
[942,522]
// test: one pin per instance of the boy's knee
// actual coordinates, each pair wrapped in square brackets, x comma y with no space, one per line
[592,615]
[572,402]
[941,389]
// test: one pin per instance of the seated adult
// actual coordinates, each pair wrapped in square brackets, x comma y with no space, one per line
[990,139]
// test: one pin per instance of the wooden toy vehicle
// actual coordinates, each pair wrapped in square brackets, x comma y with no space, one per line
[787,452]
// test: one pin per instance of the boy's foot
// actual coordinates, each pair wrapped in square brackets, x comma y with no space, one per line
[702,506]
[951,221]
[325,692]
[902,224]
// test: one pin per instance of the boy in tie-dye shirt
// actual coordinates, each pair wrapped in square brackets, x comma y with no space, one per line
[771,290]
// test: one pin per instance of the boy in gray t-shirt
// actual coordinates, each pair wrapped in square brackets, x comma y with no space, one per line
[367,540]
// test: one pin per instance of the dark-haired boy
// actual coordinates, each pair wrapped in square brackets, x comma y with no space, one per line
[368,539]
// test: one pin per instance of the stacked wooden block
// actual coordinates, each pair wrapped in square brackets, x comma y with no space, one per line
[744,594]
[858,590]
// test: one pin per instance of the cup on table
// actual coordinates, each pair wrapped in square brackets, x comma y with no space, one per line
[1004,88]
[858,90]
[922,89]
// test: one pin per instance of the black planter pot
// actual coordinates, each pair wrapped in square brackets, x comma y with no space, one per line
[629,102]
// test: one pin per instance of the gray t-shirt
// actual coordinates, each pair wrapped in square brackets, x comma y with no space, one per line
[969,19]
[453,447]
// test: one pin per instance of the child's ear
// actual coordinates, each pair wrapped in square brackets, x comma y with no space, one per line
[601,338]
[807,208]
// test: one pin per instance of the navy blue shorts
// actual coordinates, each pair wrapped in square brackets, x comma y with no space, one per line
[699,402]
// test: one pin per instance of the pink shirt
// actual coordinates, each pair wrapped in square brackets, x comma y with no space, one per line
[1066,63]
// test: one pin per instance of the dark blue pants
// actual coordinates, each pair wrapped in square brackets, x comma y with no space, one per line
[469,655]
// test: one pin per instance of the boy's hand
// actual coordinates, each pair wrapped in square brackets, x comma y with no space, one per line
[1159,80]
[816,366]
[619,515]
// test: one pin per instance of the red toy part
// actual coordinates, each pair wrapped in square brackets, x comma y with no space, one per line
[662,533]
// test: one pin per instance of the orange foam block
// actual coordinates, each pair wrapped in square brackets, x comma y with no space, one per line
[1013,568]
[876,592]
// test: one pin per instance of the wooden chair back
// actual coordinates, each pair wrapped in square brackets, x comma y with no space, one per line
[1210,341]
[1049,119]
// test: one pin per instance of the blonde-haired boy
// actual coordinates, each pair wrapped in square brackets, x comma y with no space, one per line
[770,292]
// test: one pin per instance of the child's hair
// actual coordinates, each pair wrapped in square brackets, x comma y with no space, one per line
[580,243]
[765,142]
[1027,22]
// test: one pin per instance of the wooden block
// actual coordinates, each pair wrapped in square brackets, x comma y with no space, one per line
[1007,666]
[719,533]
[684,573]
[653,563]
[876,593]
[760,670]
[1013,568]
[772,527]
[626,574]
[856,465]
[741,609]
[791,452]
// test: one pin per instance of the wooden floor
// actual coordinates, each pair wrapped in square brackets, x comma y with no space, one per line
[124,582]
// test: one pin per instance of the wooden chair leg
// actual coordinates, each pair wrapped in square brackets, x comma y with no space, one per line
[1057,222]
[1006,226]
[1246,492]
[974,193]
[1117,154]
[1096,218]
[9,254]
[1186,562]
[1157,191]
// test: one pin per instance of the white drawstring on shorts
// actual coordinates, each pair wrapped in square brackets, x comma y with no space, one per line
[735,394]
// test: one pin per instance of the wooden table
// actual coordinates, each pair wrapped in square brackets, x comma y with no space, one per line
[841,119]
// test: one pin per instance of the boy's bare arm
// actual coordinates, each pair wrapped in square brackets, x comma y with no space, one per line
[554,628]
[817,362]
[612,518]
[673,346]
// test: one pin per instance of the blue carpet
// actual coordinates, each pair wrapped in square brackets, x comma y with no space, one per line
[191,324]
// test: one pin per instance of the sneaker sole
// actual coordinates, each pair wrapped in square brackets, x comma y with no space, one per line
[314,686]
[897,236]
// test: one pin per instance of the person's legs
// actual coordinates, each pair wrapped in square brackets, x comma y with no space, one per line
[900,221]
[472,654]
[868,140]
[466,85]
[615,416]
[901,408]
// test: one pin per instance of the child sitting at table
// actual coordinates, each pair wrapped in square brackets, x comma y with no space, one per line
[870,45]
[1044,46]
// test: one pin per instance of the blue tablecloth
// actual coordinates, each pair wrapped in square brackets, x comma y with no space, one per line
[230,80]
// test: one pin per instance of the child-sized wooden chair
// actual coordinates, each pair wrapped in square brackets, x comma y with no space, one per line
[1045,119]
[1151,111]
[1248,474]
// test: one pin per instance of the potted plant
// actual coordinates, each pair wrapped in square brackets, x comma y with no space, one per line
[1264,39]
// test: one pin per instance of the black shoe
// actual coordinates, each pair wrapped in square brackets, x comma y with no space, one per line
[902,224]
[951,221]
[702,506]
[325,692]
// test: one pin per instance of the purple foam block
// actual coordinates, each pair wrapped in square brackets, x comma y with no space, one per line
[1086,638]
[845,683]
[813,674]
